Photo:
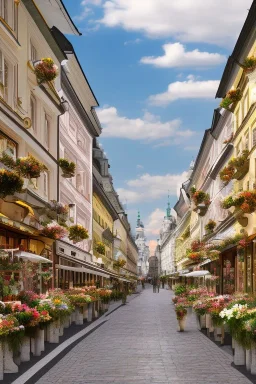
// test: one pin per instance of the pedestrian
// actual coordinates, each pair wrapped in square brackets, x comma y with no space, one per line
[154,285]
[158,285]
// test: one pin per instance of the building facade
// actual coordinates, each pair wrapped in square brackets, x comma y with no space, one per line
[143,248]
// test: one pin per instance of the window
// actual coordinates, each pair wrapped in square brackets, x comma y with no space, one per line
[246,140]
[246,104]
[46,131]
[33,111]
[4,9]
[79,185]
[8,146]
[33,52]
[4,77]
[45,183]
[254,137]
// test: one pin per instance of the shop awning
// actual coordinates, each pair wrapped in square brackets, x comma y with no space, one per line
[205,262]
[79,269]
[122,279]
[32,257]
[197,274]
[86,268]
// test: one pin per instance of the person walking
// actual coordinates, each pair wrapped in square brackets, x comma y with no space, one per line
[154,285]
[158,285]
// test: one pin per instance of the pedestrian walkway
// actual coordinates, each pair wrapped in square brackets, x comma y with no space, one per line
[139,344]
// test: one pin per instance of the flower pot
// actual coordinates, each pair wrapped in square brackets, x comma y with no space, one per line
[182,323]
[208,320]
[67,322]
[66,175]
[203,321]
[239,215]
[25,349]
[1,361]
[239,356]
[253,361]
[73,317]
[85,311]
[198,322]
[217,334]
[39,342]
[61,330]
[248,359]
[79,316]
[242,171]
[9,365]
[53,332]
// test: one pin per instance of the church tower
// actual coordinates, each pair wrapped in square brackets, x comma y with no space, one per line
[142,247]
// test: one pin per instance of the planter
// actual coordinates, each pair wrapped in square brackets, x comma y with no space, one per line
[198,323]
[61,330]
[73,317]
[203,321]
[217,334]
[182,324]
[25,350]
[242,171]
[39,342]
[79,316]
[239,215]
[248,359]
[67,321]
[9,365]
[1,361]
[202,209]
[239,356]
[53,332]
[253,361]
[67,175]
[208,320]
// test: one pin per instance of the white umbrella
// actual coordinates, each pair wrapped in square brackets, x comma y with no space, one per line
[197,273]
[32,257]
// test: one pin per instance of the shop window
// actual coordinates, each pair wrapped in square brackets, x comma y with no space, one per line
[8,146]
[228,274]
[240,261]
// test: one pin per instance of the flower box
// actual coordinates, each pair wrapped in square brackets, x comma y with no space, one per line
[242,171]
[239,354]
[9,365]
[68,168]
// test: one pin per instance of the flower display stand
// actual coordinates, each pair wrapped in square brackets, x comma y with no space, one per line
[182,323]
[25,350]
[79,316]
[61,330]
[253,361]
[217,334]
[85,312]
[53,332]
[9,365]
[32,345]
[90,308]
[198,323]
[1,361]
[73,317]
[67,321]
[239,356]
[203,321]
[248,359]
[208,321]
[39,342]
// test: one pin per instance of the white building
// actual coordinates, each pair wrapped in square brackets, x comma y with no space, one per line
[143,248]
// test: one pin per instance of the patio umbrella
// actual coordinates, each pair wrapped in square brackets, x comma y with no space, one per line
[32,257]
[197,274]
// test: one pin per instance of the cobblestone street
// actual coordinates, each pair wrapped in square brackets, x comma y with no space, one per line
[139,344]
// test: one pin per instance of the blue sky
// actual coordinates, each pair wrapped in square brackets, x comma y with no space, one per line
[152,132]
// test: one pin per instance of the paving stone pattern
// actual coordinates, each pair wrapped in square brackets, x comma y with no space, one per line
[139,344]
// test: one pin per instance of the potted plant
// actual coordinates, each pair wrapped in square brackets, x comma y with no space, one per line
[229,140]
[30,167]
[232,97]
[201,200]
[54,231]
[68,168]
[57,209]
[45,70]
[10,183]
[209,227]
[249,64]
[77,233]
[100,248]
[8,160]
[181,314]
[241,163]
[226,174]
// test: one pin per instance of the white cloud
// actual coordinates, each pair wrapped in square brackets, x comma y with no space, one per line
[139,166]
[190,89]
[149,128]
[131,42]
[175,55]
[150,187]
[152,246]
[186,20]
[154,222]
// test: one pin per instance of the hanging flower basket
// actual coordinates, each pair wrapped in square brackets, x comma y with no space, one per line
[237,168]
[249,64]
[100,248]
[232,97]
[45,70]
[57,210]
[120,263]
[10,183]
[30,167]
[201,201]
[68,168]
[209,227]
[229,140]
[54,231]
[77,233]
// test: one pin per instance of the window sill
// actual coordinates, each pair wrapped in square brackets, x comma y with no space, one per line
[10,33]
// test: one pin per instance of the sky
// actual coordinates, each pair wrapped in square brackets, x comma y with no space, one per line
[154,66]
